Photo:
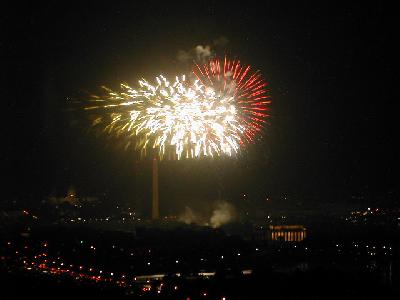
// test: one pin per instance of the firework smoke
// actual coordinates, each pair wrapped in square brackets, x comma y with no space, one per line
[202,53]
[223,214]
[188,216]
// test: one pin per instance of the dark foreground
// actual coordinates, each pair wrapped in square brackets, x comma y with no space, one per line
[191,262]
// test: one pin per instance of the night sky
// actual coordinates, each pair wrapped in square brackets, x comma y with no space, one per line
[330,69]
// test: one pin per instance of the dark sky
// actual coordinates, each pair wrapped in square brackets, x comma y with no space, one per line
[330,68]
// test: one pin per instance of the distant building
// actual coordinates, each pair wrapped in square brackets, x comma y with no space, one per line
[281,233]
[287,233]
[72,199]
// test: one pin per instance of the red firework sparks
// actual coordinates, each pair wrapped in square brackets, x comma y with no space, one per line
[232,79]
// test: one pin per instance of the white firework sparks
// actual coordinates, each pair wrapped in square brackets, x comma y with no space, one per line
[189,117]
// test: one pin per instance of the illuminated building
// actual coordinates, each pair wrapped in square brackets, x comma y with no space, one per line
[281,233]
[287,233]
[72,199]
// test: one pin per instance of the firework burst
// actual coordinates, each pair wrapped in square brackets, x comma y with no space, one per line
[216,113]
[246,90]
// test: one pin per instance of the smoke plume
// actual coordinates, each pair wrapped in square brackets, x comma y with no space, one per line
[188,216]
[224,213]
[202,53]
